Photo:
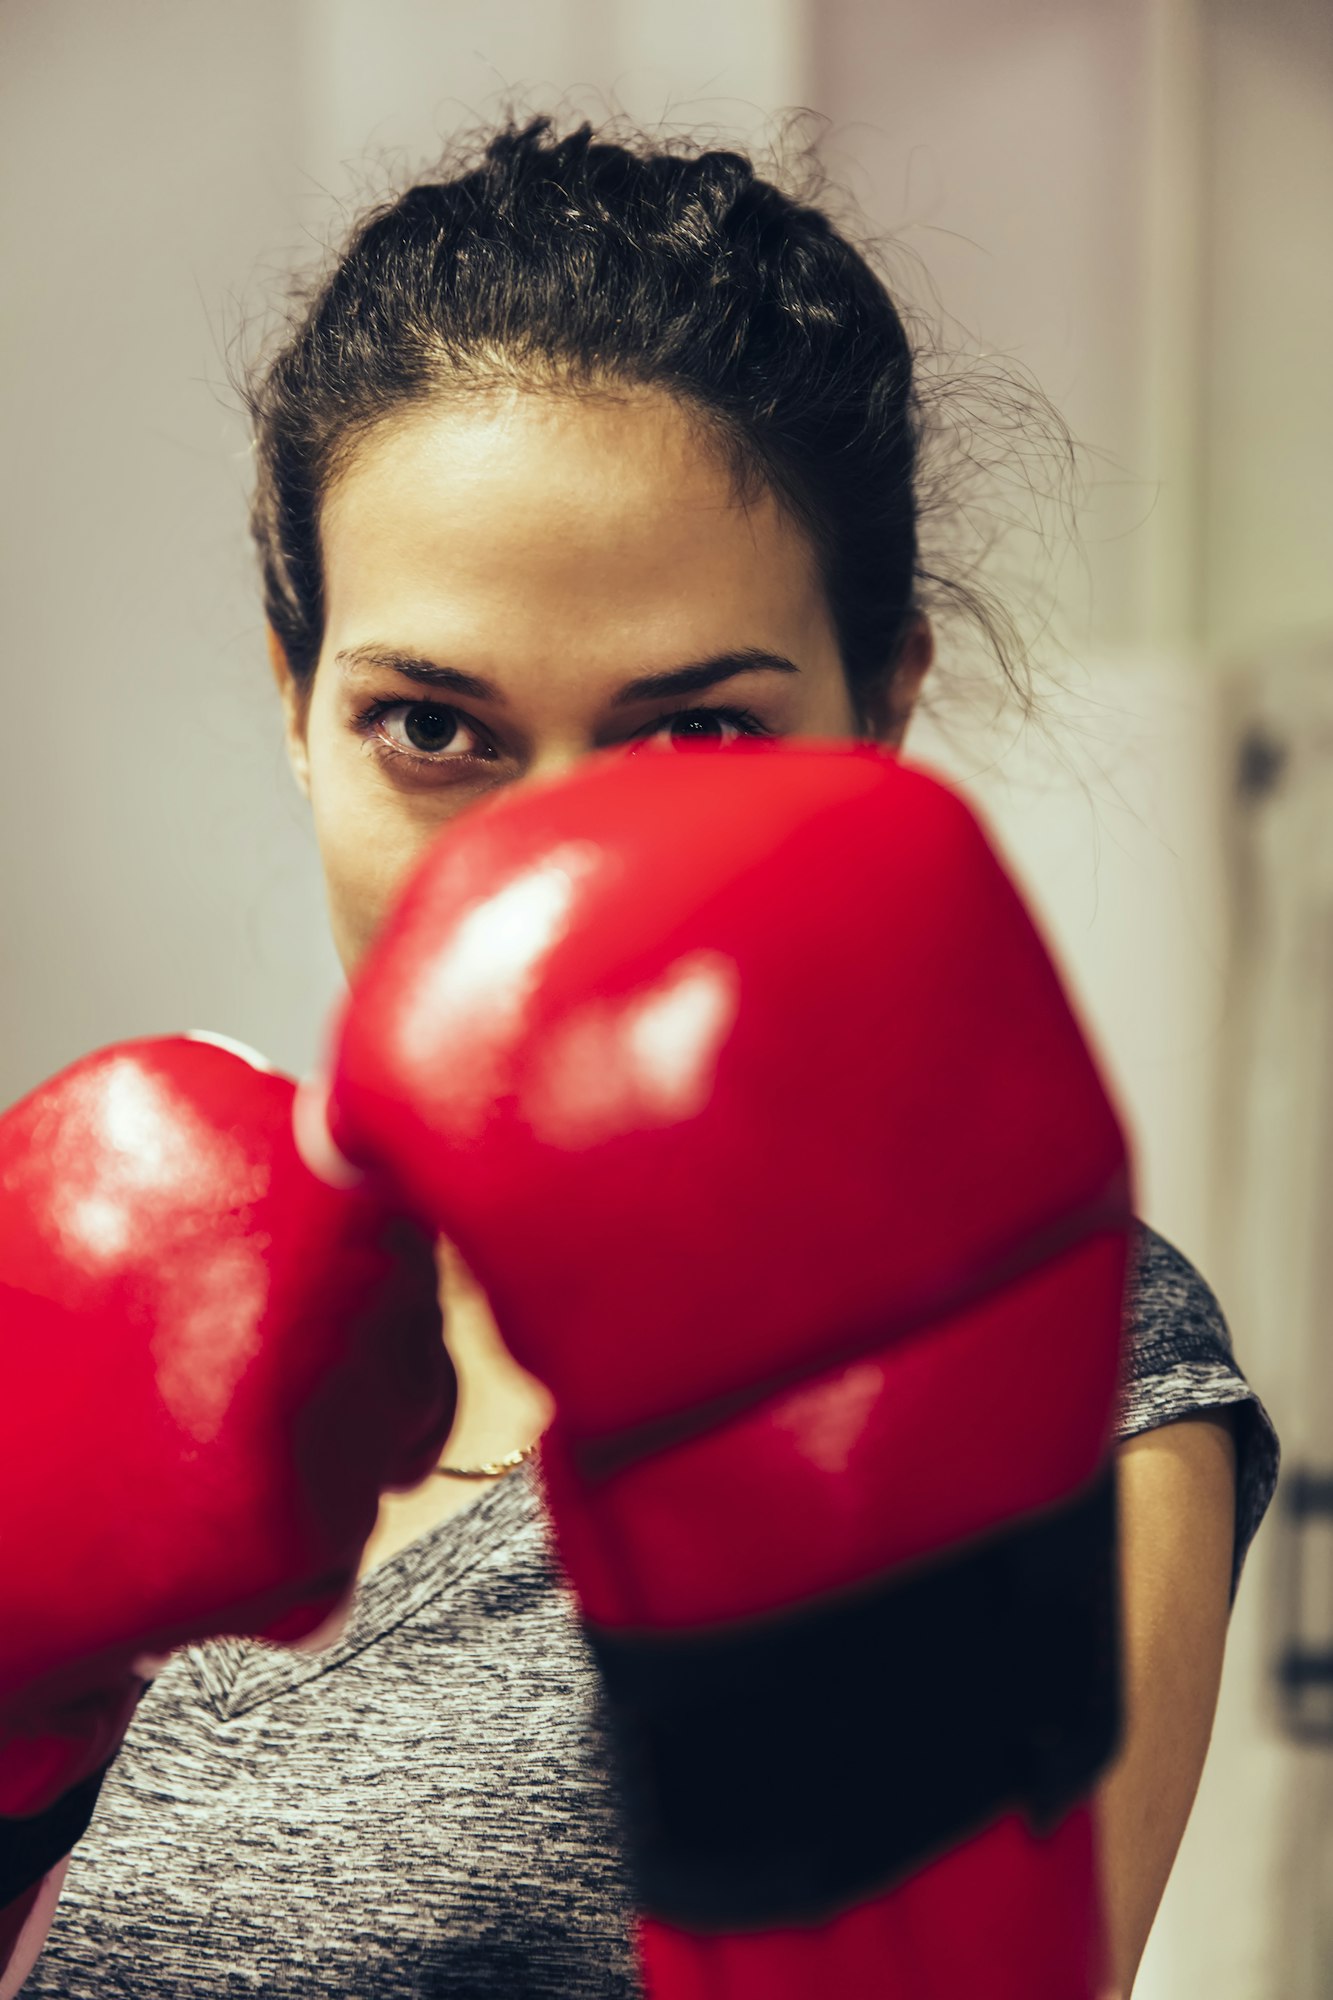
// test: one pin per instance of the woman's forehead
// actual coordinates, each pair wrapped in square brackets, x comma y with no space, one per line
[535,510]
[520,454]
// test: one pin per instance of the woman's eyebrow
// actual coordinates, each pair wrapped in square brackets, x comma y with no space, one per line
[648,687]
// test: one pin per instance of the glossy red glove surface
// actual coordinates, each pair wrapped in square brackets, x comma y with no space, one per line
[212,1365]
[747,1088]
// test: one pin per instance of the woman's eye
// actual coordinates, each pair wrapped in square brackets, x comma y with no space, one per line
[425,731]
[702,725]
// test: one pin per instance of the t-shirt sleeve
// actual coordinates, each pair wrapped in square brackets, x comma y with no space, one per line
[1180,1362]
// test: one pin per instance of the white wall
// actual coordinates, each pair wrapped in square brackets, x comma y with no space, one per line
[1267,313]
[1277,1262]
[157,872]
[396,75]
[1005,146]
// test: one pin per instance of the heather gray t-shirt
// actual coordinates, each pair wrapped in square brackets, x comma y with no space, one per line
[426,1808]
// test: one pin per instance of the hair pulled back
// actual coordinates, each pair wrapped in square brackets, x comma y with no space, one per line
[578,263]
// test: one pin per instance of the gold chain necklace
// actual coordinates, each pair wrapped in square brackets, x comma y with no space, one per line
[498,1465]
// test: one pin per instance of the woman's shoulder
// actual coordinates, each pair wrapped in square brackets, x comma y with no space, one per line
[1174,1313]
[1180,1361]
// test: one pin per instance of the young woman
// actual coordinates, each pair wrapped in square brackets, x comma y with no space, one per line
[583,446]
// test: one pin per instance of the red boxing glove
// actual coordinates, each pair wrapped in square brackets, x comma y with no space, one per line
[213,1364]
[745,1085]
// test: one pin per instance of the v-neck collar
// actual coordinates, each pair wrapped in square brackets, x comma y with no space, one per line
[236,1675]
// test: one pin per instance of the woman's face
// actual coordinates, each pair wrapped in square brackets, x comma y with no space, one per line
[519,580]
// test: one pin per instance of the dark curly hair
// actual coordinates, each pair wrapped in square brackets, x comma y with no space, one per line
[576,263]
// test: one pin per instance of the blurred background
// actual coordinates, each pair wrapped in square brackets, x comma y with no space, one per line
[1131,199]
